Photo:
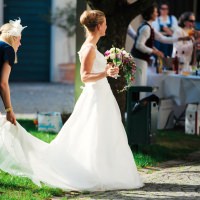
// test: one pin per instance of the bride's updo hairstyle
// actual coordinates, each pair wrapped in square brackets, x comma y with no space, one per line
[91,18]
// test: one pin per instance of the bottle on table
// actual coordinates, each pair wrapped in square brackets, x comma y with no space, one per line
[159,65]
[182,61]
[176,63]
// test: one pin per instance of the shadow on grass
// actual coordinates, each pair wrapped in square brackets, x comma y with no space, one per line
[169,145]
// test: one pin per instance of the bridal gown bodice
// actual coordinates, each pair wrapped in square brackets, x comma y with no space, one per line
[98,65]
[99,62]
[90,152]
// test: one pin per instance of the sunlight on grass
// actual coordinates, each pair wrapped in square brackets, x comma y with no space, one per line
[23,189]
[143,160]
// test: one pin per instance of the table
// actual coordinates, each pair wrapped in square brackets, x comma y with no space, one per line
[181,89]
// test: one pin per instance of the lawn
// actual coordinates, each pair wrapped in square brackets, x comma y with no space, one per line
[173,144]
[17,188]
[169,144]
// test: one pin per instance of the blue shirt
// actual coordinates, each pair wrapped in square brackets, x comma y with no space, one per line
[7,53]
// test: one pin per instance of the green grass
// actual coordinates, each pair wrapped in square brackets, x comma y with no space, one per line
[173,144]
[169,145]
[18,188]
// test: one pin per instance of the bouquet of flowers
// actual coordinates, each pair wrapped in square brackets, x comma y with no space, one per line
[125,62]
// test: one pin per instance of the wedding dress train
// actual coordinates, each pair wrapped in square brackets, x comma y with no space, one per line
[90,152]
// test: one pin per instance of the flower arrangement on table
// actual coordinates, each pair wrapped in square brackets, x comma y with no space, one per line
[125,62]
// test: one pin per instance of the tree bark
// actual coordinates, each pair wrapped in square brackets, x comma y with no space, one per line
[119,14]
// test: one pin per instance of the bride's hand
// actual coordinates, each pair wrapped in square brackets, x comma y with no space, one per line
[112,70]
[109,69]
[116,70]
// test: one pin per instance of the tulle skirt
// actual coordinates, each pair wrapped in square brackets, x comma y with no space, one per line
[90,152]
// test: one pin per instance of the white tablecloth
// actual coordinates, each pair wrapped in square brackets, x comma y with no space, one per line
[182,89]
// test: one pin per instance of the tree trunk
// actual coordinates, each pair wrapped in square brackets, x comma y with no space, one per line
[119,14]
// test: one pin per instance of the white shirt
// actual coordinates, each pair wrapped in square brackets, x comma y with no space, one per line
[131,32]
[143,36]
[183,46]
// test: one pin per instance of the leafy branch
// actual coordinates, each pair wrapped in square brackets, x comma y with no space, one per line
[65,18]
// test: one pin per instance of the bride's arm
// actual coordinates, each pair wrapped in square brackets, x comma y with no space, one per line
[87,61]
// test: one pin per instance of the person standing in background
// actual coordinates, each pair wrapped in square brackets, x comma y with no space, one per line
[143,47]
[185,50]
[165,24]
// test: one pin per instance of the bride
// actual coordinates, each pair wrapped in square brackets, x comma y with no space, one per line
[91,151]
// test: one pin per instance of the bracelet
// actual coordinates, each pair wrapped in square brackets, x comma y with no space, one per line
[8,109]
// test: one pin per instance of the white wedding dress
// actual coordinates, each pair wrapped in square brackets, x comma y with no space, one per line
[90,152]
